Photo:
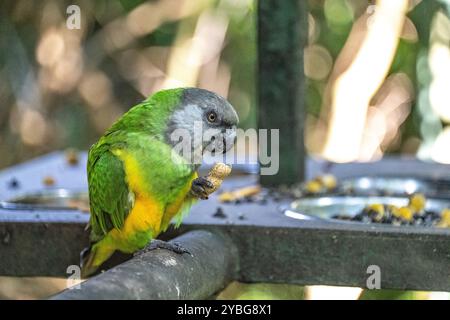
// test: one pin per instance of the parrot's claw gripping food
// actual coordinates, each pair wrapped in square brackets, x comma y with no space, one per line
[201,187]
[160,244]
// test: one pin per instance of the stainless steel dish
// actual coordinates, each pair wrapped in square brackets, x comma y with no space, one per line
[52,199]
[327,207]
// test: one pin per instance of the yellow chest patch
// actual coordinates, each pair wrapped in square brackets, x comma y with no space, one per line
[147,212]
[148,215]
[132,171]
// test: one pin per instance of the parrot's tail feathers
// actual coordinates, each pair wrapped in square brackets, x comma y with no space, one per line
[92,258]
[86,261]
[84,254]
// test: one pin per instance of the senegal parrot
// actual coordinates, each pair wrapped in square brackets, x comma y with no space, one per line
[141,176]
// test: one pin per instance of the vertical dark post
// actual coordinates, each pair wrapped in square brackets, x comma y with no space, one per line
[282,34]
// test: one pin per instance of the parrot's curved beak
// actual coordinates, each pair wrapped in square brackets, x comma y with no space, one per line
[229,139]
[222,141]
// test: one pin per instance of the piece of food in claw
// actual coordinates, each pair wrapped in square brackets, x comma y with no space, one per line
[328,181]
[313,187]
[406,213]
[375,211]
[417,202]
[445,219]
[217,174]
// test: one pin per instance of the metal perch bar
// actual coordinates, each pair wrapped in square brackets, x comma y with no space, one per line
[161,274]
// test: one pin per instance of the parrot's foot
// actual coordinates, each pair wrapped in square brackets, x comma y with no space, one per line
[159,244]
[201,188]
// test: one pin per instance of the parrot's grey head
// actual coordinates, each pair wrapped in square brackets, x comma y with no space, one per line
[203,121]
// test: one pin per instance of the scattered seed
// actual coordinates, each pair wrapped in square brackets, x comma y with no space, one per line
[13,183]
[219,213]
[6,238]
[48,181]
[399,216]
[240,194]
[72,157]
[249,199]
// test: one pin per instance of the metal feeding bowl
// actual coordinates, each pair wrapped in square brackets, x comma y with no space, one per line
[395,186]
[51,199]
[328,207]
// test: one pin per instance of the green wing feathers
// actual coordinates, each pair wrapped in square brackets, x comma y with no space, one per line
[109,196]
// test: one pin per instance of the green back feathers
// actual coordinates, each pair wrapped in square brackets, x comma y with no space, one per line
[108,192]
[151,115]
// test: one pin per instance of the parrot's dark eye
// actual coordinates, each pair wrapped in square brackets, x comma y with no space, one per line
[212,116]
